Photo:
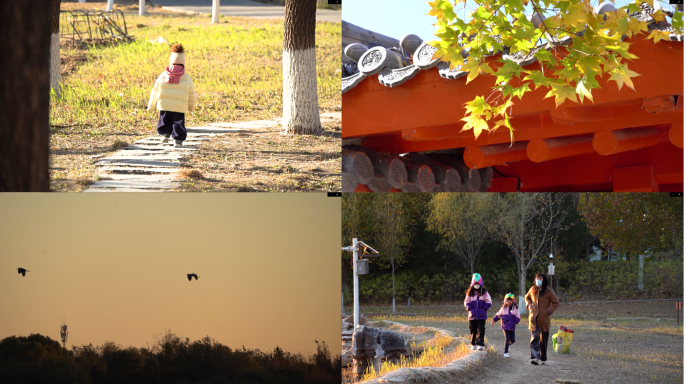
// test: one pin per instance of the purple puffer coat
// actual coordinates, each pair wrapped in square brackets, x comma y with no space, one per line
[477,306]
[509,317]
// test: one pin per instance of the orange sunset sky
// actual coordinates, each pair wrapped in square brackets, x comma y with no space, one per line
[115,265]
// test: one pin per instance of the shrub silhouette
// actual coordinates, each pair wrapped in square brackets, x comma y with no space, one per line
[171,359]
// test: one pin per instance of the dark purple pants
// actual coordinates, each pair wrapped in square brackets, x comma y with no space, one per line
[172,123]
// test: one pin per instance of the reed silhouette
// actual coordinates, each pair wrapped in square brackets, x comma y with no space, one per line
[171,359]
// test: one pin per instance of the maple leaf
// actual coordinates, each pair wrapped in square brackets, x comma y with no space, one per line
[657,35]
[583,89]
[477,106]
[476,123]
[472,66]
[561,92]
[658,15]
[538,78]
[624,75]
[677,20]
[507,71]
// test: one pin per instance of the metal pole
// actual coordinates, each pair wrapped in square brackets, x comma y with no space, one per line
[356,282]
[215,11]
[142,7]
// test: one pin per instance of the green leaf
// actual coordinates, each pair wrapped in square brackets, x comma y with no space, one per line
[538,78]
[677,20]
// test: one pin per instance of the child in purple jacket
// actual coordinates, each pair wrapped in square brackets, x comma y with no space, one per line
[477,302]
[509,318]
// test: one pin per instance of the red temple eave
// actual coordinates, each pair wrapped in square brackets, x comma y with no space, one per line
[584,146]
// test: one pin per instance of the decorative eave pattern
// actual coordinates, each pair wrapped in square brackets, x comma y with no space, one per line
[388,64]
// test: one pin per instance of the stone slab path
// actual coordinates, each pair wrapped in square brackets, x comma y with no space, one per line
[150,166]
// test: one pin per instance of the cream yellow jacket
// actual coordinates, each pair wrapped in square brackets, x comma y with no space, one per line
[179,97]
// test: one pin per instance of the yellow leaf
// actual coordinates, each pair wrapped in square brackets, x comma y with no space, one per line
[498,123]
[587,6]
[658,15]
[472,66]
[476,123]
[561,92]
[624,75]
[657,35]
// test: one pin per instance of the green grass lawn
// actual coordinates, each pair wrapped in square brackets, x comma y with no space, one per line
[236,66]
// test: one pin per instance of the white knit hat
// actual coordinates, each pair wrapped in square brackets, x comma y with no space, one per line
[177,55]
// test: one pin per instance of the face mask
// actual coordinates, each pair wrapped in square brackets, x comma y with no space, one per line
[539,283]
[476,286]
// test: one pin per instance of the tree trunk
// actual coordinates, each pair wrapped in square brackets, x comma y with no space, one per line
[300,89]
[393,308]
[522,289]
[215,11]
[640,283]
[55,61]
[24,99]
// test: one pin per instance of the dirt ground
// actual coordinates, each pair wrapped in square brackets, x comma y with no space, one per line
[634,342]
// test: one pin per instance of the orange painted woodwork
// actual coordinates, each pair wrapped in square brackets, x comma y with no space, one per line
[539,150]
[427,100]
[676,135]
[488,155]
[362,188]
[610,142]
[634,179]
[504,184]
[559,153]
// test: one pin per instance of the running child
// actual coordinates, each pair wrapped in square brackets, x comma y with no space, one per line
[477,302]
[509,318]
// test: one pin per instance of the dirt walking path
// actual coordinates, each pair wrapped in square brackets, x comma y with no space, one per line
[597,356]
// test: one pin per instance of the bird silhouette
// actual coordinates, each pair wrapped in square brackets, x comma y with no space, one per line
[23,271]
[191,275]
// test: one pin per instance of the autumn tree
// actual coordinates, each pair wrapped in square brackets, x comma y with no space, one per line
[524,28]
[391,228]
[300,89]
[528,223]
[462,221]
[635,222]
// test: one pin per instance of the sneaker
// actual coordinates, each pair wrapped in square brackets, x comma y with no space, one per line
[472,347]
[507,355]
[535,361]
[543,361]
[165,140]
[480,347]
[179,143]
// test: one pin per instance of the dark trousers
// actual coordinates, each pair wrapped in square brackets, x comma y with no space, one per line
[538,344]
[172,124]
[510,339]
[477,332]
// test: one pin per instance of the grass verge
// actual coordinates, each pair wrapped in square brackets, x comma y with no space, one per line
[236,66]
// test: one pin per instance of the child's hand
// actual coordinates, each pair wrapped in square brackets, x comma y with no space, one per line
[492,322]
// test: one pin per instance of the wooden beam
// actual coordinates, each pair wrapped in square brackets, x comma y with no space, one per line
[358,165]
[610,142]
[379,184]
[349,183]
[539,150]
[447,177]
[470,179]
[489,155]
[419,175]
[634,179]
[389,166]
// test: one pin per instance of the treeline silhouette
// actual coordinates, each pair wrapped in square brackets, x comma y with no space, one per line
[39,359]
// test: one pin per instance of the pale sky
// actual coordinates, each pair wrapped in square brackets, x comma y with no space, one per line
[395,18]
[114,265]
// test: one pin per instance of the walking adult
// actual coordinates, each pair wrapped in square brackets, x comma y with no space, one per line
[541,301]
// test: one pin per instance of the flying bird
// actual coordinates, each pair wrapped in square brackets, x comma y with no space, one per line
[23,271]
[191,275]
